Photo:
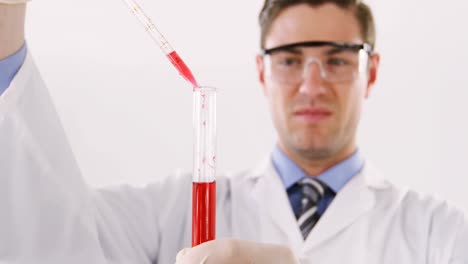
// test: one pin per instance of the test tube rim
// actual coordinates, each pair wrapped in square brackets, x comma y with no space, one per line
[205,89]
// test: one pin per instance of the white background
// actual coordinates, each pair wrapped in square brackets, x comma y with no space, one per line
[128,114]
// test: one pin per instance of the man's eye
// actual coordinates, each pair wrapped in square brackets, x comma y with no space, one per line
[290,61]
[337,62]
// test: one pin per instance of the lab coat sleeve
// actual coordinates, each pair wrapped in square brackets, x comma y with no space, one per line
[460,251]
[447,236]
[137,220]
[47,213]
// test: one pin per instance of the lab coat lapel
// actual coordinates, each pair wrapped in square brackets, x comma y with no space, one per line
[272,198]
[355,199]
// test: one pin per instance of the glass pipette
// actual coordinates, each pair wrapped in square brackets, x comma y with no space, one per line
[156,35]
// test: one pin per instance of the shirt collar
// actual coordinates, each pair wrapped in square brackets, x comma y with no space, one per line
[10,66]
[335,177]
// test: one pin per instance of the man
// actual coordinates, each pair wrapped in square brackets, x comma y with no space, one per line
[314,200]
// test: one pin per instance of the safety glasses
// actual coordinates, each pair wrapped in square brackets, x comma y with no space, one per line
[336,62]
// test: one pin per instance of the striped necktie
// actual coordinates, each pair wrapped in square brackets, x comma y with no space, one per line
[312,192]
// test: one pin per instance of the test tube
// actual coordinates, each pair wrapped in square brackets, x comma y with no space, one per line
[204,165]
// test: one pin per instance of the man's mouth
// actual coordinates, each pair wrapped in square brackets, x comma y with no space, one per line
[312,115]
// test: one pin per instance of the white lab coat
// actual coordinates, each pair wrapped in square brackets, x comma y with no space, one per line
[49,215]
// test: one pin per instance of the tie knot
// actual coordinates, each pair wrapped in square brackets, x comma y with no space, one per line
[312,190]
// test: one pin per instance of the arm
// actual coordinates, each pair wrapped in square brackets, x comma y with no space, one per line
[460,253]
[47,212]
[11,28]
[12,47]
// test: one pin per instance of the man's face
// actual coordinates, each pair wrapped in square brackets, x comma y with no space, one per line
[315,118]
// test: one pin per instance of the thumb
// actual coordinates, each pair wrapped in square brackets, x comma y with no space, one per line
[269,253]
[189,256]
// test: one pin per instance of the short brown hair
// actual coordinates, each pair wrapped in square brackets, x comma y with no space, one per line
[272,8]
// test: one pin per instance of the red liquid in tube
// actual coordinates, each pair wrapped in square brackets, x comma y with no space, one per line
[203,212]
[182,68]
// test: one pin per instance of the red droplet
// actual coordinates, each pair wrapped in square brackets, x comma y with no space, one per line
[182,68]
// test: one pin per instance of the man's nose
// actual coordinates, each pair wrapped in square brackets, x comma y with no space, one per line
[313,78]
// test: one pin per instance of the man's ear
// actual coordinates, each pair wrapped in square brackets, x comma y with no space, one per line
[374,63]
[261,72]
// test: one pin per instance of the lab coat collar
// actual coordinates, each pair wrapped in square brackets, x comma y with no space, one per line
[355,199]
[280,223]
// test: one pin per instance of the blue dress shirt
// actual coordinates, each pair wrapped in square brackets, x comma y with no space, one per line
[335,177]
[10,66]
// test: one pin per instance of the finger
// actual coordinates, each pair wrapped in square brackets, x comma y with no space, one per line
[181,254]
[271,254]
[192,256]
[13,2]
[203,261]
